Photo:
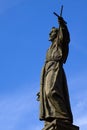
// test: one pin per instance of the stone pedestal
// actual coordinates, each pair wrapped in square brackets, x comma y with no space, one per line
[56,125]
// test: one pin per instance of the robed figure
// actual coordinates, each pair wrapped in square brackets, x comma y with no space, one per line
[54,96]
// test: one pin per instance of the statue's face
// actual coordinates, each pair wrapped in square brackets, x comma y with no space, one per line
[52,34]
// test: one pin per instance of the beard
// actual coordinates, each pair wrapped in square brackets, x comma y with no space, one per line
[51,38]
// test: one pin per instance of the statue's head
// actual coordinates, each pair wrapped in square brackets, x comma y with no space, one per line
[53,34]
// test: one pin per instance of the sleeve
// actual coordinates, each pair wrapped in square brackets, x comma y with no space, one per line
[64,38]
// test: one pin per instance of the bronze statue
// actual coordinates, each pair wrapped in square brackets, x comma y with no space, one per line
[54,96]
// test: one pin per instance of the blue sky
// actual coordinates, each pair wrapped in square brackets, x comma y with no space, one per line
[24,29]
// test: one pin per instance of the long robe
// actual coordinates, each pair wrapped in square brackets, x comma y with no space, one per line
[54,96]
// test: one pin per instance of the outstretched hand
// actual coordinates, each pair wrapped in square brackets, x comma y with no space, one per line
[61,20]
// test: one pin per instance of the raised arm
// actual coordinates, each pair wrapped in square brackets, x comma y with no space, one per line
[63,38]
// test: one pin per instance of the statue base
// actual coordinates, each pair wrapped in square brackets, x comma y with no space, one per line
[56,125]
